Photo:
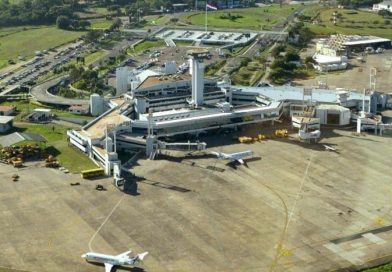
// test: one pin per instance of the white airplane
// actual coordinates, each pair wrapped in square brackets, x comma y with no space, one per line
[233,156]
[109,261]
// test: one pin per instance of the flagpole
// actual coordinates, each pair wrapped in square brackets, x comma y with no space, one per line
[206,19]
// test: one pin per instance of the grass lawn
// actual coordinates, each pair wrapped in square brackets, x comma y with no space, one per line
[25,107]
[211,70]
[184,43]
[353,22]
[154,19]
[248,75]
[3,63]
[99,10]
[312,10]
[4,31]
[383,268]
[25,41]
[57,145]
[249,18]
[238,50]
[101,24]
[92,57]
[145,45]
[49,76]
[69,157]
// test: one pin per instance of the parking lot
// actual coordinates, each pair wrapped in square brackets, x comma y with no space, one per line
[296,207]
[220,37]
[40,65]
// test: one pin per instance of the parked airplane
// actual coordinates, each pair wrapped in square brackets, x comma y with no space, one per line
[109,261]
[233,156]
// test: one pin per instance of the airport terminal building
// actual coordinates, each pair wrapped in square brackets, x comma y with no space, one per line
[168,105]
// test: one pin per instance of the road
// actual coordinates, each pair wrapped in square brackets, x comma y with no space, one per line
[41,94]
[282,28]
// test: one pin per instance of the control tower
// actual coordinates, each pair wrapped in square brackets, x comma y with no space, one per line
[196,57]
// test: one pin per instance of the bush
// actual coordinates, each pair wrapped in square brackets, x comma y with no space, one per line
[63,22]
[245,62]
[81,84]
[291,56]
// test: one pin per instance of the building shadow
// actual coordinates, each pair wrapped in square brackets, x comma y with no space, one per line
[12,130]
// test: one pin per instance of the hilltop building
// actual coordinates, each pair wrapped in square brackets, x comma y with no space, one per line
[386,5]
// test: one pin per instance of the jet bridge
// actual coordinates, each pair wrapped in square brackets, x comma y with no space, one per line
[187,146]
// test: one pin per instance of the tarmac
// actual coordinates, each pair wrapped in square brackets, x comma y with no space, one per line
[357,75]
[294,207]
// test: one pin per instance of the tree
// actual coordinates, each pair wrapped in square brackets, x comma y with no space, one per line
[309,61]
[116,24]
[84,24]
[115,8]
[93,35]
[291,56]
[63,22]
[174,20]
[75,73]
[277,50]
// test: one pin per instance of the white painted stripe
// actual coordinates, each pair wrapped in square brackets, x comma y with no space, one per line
[374,238]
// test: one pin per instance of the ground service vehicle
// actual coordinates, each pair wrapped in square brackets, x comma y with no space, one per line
[92,173]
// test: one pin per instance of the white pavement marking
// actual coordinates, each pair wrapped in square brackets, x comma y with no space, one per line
[334,248]
[299,191]
[104,222]
[353,256]
[374,238]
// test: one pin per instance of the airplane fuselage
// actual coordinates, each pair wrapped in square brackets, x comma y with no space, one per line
[103,258]
[110,261]
[236,156]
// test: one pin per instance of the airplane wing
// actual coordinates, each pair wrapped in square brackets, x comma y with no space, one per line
[108,267]
[124,254]
[327,147]
[241,161]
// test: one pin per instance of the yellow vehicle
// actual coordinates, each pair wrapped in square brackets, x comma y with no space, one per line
[281,133]
[17,162]
[261,137]
[92,173]
[244,139]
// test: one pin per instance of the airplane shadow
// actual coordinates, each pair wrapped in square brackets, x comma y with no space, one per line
[120,268]
[132,269]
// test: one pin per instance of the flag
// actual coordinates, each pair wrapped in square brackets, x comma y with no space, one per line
[208,6]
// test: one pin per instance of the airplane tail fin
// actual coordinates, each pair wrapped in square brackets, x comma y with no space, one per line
[141,256]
